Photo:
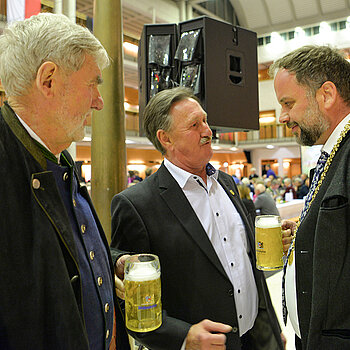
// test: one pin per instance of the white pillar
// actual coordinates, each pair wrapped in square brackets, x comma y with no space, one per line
[69,9]
[182,7]
[189,11]
[57,8]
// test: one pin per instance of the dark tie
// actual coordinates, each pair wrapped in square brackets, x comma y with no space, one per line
[318,171]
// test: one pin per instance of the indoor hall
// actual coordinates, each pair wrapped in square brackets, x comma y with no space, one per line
[281,26]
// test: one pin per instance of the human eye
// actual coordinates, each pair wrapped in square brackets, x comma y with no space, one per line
[288,104]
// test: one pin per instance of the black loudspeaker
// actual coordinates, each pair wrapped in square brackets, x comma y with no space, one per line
[155,62]
[219,62]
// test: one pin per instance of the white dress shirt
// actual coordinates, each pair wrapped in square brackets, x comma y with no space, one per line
[290,286]
[226,232]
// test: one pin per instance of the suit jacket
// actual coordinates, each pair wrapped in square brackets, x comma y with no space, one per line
[155,217]
[40,294]
[322,250]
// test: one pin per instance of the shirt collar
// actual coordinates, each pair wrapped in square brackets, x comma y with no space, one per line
[35,136]
[333,138]
[181,176]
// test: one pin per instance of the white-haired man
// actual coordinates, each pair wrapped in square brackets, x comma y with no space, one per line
[56,270]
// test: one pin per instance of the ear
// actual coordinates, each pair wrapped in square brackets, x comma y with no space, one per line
[164,139]
[46,78]
[326,95]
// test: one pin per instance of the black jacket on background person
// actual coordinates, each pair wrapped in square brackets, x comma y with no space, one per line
[40,294]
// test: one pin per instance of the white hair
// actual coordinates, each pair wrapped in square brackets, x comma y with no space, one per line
[26,45]
[260,188]
[245,181]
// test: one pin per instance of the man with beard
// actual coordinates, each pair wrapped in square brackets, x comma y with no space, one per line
[192,217]
[312,85]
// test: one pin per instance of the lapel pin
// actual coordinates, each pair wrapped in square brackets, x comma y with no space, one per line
[232,192]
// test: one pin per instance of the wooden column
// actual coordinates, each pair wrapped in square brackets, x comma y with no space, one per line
[108,152]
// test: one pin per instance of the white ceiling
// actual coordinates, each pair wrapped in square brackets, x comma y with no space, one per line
[261,16]
[265,16]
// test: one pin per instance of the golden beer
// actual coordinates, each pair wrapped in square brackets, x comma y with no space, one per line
[268,242]
[143,306]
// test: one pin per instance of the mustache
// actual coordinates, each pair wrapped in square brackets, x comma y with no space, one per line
[205,139]
[291,125]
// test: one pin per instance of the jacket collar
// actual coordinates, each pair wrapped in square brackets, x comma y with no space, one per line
[17,128]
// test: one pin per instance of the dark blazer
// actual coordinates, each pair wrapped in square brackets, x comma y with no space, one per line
[155,216]
[40,294]
[323,261]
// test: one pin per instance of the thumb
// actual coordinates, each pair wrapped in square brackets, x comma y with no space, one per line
[217,327]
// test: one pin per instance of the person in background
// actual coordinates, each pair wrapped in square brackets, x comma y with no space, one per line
[312,86]
[264,203]
[56,270]
[191,216]
[253,174]
[275,190]
[246,182]
[288,188]
[303,177]
[148,172]
[301,189]
[244,193]
[267,183]
[137,177]
[269,171]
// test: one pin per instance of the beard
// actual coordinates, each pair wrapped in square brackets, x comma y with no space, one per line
[313,125]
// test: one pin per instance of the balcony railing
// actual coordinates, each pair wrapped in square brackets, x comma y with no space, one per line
[276,133]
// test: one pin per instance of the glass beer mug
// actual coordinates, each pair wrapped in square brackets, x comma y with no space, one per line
[143,307]
[268,242]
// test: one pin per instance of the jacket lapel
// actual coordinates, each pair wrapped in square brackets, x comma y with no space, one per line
[177,202]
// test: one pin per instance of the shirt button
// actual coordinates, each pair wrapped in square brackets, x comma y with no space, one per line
[74,203]
[232,264]
[36,184]
[224,239]
[238,290]
[83,228]
[92,255]
[65,176]
[230,292]
[217,214]
[106,307]
[234,329]
[107,334]
[100,281]
[240,316]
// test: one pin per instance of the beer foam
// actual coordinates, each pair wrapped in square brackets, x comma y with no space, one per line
[268,222]
[142,273]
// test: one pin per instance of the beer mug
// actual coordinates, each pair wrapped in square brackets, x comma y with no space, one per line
[268,242]
[143,306]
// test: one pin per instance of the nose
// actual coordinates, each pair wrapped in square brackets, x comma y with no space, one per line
[206,131]
[97,101]
[284,117]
